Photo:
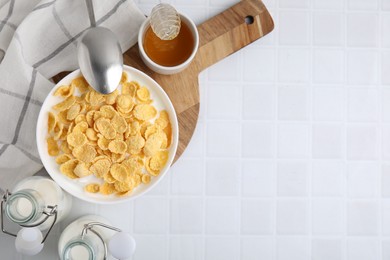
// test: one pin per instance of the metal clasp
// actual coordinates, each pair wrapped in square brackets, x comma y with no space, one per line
[89,227]
[52,212]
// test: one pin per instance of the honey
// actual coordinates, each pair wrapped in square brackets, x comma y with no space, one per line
[169,53]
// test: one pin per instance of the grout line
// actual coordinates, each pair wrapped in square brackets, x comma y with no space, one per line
[204,155]
[309,108]
[380,134]
[276,130]
[345,208]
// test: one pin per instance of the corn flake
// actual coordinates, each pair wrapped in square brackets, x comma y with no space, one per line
[63,158]
[92,188]
[68,167]
[117,146]
[144,112]
[66,104]
[52,146]
[84,153]
[82,170]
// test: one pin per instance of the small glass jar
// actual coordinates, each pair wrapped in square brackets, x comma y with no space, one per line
[87,238]
[35,204]
[32,197]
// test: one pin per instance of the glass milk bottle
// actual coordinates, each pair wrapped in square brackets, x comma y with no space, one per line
[36,204]
[93,238]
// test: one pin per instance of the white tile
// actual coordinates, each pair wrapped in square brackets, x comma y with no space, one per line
[198,12]
[362,30]
[386,5]
[222,3]
[292,178]
[385,95]
[327,178]
[195,146]
[363,105]
[259,64]
[255,248]
[327,217]
[328,66]
[293,141]
[292,103]
[110,213]
[363,249]
[222,177]
[292,217]
[258,140]
[385,180]
[293,65]
[385,67]
[83,208]
[328,29]
[257,217]
[145,211]
[258,178]
[386,142]
[328,141]
[362,218]
[145,243]
[187,177]
[223,101]
[325,249]
[222,216]
[362,142]
[296,33]
[362,67]
[7,242]
[222,248]
[184,247]
[269,3]
[294,3]
[362,179]
[289,248]
[386,249]
[328,104]
[258,102]
[270,38]
[386,217]
[385,29]
[330,4]
[223,139]
[186,216]
[226,69]
[161,189]
[362,5]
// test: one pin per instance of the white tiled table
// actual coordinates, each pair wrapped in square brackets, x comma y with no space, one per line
[291,157]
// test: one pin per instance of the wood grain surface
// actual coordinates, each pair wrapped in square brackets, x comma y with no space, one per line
[220,36]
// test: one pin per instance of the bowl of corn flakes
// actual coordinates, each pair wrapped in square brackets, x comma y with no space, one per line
[107,148]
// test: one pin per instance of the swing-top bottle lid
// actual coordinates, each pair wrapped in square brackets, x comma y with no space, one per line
[29,241]
[121,245]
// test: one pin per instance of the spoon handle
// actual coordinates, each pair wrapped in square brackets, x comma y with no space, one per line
[91,13]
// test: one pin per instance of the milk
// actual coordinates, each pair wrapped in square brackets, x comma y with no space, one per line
[73,233]
[50,194]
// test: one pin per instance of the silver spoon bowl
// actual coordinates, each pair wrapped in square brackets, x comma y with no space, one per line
[100,59]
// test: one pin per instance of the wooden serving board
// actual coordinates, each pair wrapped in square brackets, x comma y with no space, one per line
[219,37]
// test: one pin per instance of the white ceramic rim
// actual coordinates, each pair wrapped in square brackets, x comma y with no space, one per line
[193,28]
[58,177]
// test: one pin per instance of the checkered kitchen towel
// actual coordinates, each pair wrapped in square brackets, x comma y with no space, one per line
[39,40]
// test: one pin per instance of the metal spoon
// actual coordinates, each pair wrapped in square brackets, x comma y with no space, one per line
[100,57]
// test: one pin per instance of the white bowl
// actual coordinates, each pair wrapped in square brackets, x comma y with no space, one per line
[76,187]
[165,69]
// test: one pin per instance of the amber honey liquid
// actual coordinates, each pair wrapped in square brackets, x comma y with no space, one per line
[169,52]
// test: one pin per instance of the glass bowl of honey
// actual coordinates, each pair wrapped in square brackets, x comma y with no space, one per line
[168,56]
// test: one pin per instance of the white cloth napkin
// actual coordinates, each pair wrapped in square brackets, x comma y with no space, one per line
[39,40]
